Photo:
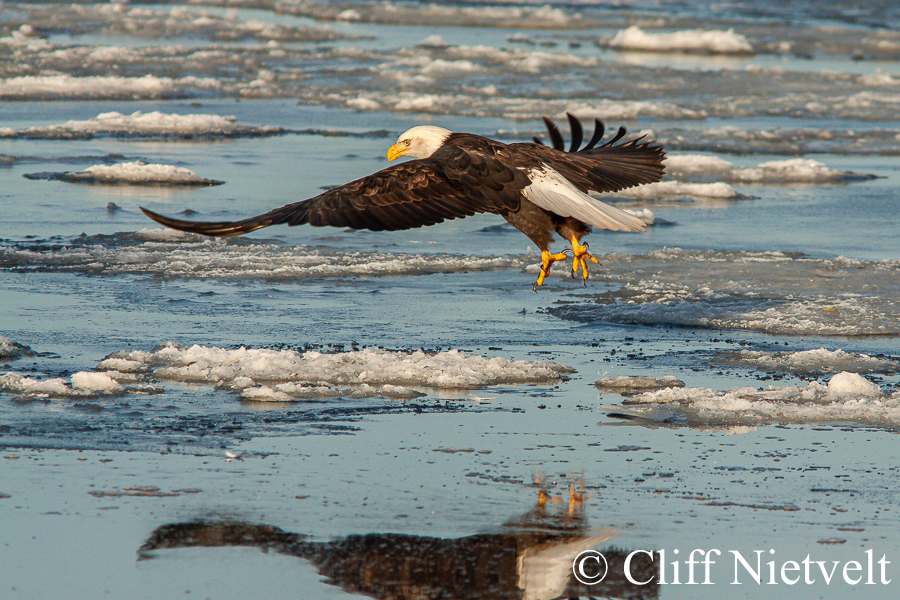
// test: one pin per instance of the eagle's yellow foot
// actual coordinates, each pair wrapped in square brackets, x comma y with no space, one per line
[547,259]
[580,259]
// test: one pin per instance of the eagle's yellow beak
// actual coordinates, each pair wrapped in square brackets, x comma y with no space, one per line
[395,152]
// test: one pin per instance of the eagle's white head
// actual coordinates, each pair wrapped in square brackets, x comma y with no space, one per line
[419,142]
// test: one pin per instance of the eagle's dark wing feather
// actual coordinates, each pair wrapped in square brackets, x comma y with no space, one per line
[605,168]
[450,184]
[556,137]
[608,168]
[577,132]
[599,130]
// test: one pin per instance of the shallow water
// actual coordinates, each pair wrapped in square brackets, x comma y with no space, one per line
[348,398]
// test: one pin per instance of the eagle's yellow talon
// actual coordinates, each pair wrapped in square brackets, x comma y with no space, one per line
[547,259]
[581,256]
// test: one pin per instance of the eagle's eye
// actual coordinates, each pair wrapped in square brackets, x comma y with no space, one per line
[407,142]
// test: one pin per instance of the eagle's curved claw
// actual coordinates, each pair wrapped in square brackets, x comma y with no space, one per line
[580,258]
[548,259]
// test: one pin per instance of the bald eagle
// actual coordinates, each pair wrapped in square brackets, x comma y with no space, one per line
[536,188]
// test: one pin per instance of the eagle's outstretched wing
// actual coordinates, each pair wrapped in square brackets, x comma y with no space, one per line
[450,184]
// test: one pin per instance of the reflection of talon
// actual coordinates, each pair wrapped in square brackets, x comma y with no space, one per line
[542,492]
[577,497]
[581,256]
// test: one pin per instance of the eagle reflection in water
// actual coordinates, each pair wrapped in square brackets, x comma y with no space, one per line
[528,558]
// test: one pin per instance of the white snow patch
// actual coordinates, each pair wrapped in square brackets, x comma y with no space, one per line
[644,214]
[94,382]
[693,40]
[663,190]
[535,62]
[696,165]
[852,384]
[792,170]
[68,86]
[440,66]
[363,104]
[165,235]
[425,102]
[123,365]
[348,15]
[265,394]
[16,383]
[879,80]
[434,41]
[139,173]
[151,123]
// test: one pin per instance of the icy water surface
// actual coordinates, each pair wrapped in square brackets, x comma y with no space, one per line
[399,415]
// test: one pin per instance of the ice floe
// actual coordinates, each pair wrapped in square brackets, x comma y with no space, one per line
[819,360]
[95,87]
[625,384]
[10,349]
[131,173]
[704,177]
[80,385]
[145,125]
[846,397]
[692,167]
[448,369]
[694,40]
[267,375]
[668,190]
